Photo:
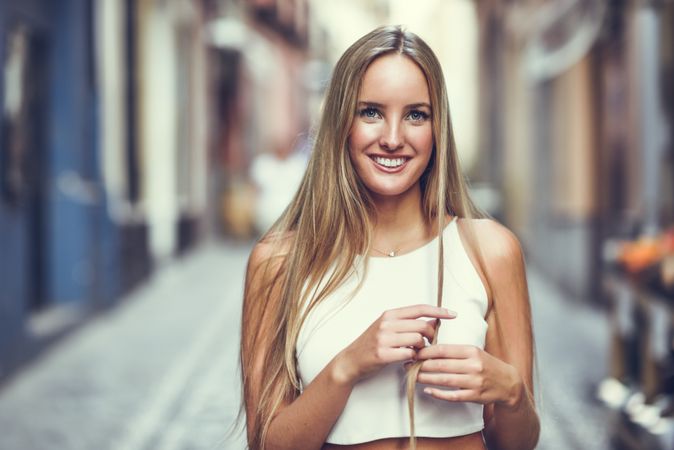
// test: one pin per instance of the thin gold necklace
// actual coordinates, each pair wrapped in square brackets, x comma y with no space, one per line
[392,253]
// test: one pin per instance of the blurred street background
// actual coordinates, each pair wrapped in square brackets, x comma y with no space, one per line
[145,144]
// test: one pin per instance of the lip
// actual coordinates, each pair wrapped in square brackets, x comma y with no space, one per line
[389,169]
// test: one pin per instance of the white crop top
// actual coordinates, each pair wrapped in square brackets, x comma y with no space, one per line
[377,407]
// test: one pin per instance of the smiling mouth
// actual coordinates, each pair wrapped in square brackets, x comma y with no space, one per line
[389,163]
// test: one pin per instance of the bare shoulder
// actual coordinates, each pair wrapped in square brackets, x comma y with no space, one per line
[497,244]
[495,252]
[269,248]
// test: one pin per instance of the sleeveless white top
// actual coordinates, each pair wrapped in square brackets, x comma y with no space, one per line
[377,407]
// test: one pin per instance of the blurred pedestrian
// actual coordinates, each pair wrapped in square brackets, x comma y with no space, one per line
[276,176]
[342,343]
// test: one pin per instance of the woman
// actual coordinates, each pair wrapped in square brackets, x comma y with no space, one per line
[348,340]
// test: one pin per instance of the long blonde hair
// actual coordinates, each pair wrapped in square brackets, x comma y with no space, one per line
[329,222]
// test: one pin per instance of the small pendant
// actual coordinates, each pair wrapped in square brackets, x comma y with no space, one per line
[392,253]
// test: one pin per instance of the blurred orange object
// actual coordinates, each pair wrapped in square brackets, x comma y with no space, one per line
[640,254]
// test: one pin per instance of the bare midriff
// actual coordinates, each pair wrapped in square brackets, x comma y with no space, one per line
[468,442]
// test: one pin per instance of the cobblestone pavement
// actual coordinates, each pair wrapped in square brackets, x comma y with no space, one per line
[160,370]
[572,357]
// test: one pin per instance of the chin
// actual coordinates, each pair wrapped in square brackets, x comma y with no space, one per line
[391,192]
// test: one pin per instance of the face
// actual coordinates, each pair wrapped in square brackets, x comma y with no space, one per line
[391,139]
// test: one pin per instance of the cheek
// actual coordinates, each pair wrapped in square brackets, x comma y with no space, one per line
[362,136]
[422,139]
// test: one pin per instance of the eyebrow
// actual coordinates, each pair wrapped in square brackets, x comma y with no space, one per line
[410,106]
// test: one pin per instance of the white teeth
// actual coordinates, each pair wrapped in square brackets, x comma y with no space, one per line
[389,162]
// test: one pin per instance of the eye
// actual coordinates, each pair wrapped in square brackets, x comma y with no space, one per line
[417,116]
[369,113]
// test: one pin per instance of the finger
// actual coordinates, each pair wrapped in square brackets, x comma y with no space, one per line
[427,328]
[433,325]
[449,351]
[416,311]
[459,395]
[398,354]
[461,366]
[407,340]
[454,380]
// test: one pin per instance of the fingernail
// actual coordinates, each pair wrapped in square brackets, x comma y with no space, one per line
[427,390]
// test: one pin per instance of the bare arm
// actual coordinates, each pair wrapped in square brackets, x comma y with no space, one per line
[305,422]
[512,424]
[500,376]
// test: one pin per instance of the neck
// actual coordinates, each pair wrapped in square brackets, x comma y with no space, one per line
[399,222]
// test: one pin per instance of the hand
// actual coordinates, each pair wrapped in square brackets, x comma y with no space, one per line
[477,376]
[395,336]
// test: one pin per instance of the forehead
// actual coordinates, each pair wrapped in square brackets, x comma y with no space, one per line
[392,79]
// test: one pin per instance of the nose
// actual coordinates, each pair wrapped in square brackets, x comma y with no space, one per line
[391,137]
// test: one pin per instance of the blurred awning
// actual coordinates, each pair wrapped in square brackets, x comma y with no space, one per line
[556,35]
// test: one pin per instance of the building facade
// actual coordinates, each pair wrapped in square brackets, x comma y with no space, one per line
[103,150]
[578,107]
